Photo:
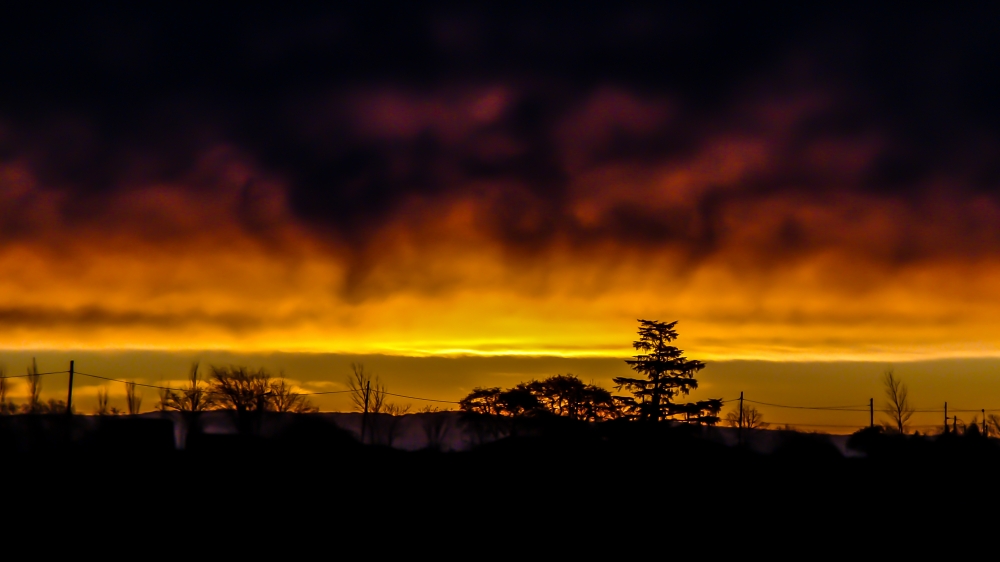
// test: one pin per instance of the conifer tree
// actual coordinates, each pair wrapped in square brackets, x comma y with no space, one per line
[666,374]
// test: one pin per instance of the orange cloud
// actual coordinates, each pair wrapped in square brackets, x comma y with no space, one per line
[758,239]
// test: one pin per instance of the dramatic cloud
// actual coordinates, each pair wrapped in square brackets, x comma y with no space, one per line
[789,182]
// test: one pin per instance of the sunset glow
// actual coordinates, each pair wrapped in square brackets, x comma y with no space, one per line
[792,184]
[827,276]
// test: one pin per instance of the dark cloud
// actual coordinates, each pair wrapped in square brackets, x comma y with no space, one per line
[94,317]
[360,111]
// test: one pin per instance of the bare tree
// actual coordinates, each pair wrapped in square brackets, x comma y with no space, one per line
[367,394]
[897,401]
[251,393]
[240,389]
[5,408]
[195,397]
[993,424]
[285,399]
[133,399]
[243,390]
[752,418]
[102,402]
[34,405]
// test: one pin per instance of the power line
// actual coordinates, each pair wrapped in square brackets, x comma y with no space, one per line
[815,424]
[856,408]
[851,408]
[832,408]
[126,382]
[425,399]
[33,374]
[926,425]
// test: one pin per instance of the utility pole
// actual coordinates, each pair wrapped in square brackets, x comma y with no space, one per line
[946,417]
[985,430]
[741,418]
[871,412]
[954,424]
[69,396]
[364,417]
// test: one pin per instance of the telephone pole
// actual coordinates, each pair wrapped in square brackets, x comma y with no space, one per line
[69,396]
[741,418]
[946,417]
[364,417]
[871,412]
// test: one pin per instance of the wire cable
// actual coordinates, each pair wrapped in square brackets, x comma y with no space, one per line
[33,374]
[794,424]
[831,408]
[852,408]
[125,382]
[425,399]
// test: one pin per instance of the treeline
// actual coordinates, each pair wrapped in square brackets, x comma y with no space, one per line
[561,395]
[34,404]
[664,375]
[236,388]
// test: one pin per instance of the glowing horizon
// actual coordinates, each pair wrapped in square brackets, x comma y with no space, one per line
[780,206]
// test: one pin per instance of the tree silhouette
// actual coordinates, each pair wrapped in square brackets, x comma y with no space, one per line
[667,374]
[244,390]
[284,399]
[752,418]
[380,420]
[133,400]
[567,395]
[34,405]
[367,394]
[560,395]
[195,397]
[5,407]
[102,402]
[513,402]
[897,401]
[492,412]
[992,424]
[484,401]
[240,389]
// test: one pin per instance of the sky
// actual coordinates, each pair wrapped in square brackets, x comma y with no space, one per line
[796,185]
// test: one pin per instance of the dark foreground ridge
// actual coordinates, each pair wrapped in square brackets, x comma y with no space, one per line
[556,469]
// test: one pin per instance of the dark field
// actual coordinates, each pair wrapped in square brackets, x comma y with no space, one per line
[566,475]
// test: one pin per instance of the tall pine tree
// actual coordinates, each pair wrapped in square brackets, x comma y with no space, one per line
[666,374]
